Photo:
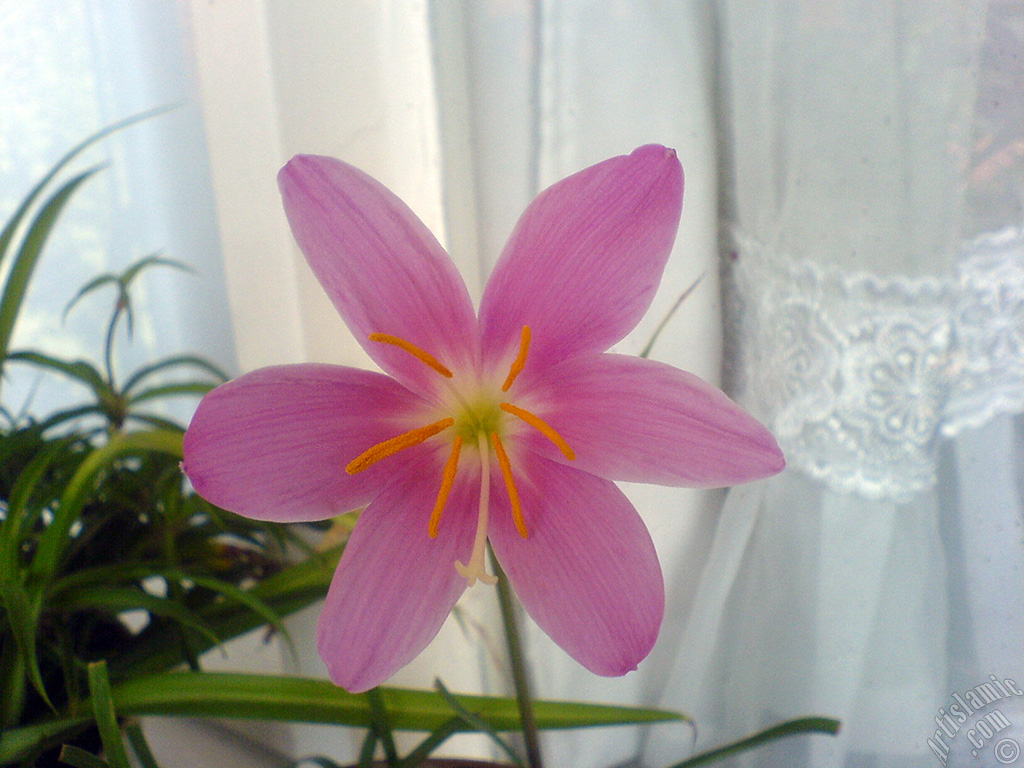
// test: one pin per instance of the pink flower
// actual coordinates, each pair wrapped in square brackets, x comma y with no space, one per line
[510,426]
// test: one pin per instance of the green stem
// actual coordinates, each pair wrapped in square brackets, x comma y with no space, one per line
[520,678]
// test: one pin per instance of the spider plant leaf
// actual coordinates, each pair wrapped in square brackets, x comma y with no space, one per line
[9,230]
[175,361]
[106,716]
[24,264]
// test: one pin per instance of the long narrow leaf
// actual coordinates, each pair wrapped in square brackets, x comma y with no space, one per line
[12,685]
[781,731]
[140,746]
[122,600]
[77,757]
[294,699]
[285,592]
[231,592]
[476,723]
[157,422]
[171,390]
[368,749]
[106,716]
[24,263]
[7,234]
[426,747]
[18,744]
[21,606]
[152,260]
[174,361]
[92,285]
[61,417]
[273,697]
[64,590]
[79,488]
[75,369]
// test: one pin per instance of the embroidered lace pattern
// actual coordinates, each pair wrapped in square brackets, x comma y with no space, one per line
[860,376]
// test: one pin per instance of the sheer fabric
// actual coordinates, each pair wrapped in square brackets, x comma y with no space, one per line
[874,258]
[553,87]
[69,69]
[871,171]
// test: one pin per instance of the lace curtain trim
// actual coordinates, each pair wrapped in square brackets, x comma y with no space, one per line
[859,376]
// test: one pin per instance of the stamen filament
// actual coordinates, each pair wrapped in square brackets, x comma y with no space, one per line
[447,479]
[413,350]
[475,570]
[520,361]
[396,444]
[541,426]
[510,485]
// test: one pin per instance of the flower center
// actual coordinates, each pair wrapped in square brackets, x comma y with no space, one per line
[479,423]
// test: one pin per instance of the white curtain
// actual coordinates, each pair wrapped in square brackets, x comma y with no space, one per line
[552,87]
[67,69]
[868,157]
[874,190]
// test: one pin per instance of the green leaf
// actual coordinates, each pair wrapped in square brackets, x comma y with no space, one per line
[296,699]
[122,600]
[28,255]
[81,486]
[426,747]
[79,758]
[61,417]
[75,369]
[12,684]
[92,285]
[368,750]
[106,716]
[18,744]
[156,422]
[9,230]
[273,697]
[781,731]
[153,260]
[66,590]
[285,592]
[175,361]
[170,390]
[122,281]
[140,746]
[21,605]
[477,723]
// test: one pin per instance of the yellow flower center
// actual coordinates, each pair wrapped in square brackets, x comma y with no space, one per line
[480,422]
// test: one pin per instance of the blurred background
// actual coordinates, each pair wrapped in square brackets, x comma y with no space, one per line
[853,211]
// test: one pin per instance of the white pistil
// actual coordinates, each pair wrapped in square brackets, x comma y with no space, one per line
[475,570]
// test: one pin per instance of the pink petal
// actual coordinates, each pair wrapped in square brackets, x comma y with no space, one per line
[395,585]
[588,573]
[273,444]
[633,419]
[381,266]
[585,259]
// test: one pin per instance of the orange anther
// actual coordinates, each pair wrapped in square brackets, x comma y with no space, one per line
[541,426]
[510,485]
[413,350]
[396,444]
[520,361]
[447,479]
